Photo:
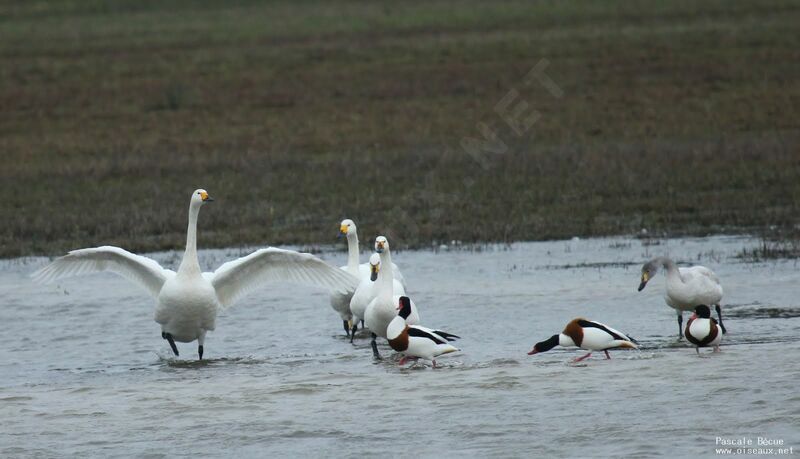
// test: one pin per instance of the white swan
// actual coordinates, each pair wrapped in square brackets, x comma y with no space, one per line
[366,291]
[340,302]
[686,288]
[187,301]
[381,310]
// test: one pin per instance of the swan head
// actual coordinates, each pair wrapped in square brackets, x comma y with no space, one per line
[200,197]
[381,244]
[374,266]
[648,271]
[347,228]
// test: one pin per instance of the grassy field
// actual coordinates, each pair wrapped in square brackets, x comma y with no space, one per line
[681,117]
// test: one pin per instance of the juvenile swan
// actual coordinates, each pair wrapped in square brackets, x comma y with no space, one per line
[686,288]
[187,301]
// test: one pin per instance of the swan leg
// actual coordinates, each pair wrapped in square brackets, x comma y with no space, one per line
[719,315]
[374,345]
[582,358]
[171,342]
[353,333]
[608,357]
[200,340]
[680,324]
[346,327]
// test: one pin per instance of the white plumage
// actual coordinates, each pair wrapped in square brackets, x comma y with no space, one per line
[416,341]
[187,301]
[588,335]
[340,301]
[685,288]
[383,308]
[702,330]
[367,290]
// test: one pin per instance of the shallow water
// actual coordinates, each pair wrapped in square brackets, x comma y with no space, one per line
[86,373]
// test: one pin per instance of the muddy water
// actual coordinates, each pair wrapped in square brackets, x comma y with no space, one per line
[84,371]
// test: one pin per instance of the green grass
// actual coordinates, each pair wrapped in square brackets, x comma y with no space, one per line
[681,117]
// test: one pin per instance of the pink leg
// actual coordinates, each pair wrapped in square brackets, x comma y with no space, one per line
[434,364]
[403,361]
[716,349]
[582,358]
[608,357]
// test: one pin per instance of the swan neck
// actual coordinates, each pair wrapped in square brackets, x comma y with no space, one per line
[190,262]
[352,254]
[669,266]
[385,276]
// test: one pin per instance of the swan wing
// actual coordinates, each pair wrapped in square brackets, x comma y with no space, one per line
[140,270]
[236,278]
[699,272]
[399,275]
[703,285]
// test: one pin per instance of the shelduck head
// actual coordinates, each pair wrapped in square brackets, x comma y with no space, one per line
[404,307]
[374,266]
[200,197]
[546,345]
[702,311]
[649,270]
[381,244]
[347,228]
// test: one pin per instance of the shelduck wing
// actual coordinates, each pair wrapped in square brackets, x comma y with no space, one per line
[615,334]
[447,336]
[427,333]
[440,333]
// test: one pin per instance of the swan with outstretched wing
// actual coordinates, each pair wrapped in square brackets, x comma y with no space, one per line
[188,300]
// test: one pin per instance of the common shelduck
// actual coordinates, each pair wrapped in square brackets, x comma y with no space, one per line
[414,341]
[686,287]
[383,308]
[702,330]
[589,335]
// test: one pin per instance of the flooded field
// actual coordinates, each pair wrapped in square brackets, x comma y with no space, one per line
[86,373]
